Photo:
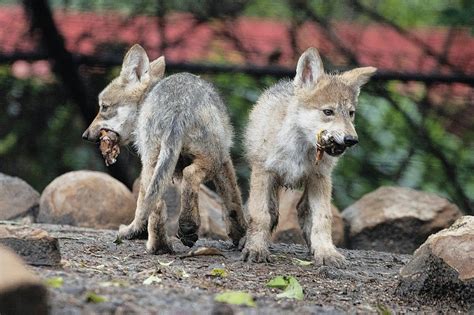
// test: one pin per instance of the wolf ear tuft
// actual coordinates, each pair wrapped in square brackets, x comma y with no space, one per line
[135,64]
[157,68]
[309,69]
[358,76]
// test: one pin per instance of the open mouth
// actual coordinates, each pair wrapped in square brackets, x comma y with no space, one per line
[335,149]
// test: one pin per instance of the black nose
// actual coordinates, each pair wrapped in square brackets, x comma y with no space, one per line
[350,141]
[85,135]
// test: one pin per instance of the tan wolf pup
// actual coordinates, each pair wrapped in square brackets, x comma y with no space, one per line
[181,127]
[281,145]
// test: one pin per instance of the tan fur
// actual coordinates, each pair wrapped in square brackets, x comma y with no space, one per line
[181,128]
[281,148]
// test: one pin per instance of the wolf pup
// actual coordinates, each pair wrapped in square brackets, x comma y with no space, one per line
[180,126]
[282,144]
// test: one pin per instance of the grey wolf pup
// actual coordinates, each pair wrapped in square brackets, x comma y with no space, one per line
[281,145]
[181,127]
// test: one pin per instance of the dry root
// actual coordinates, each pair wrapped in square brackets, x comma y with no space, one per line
[109,146]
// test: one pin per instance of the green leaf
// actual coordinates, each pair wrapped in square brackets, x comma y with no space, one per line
[219,272]
[279,282]
[162,263]
[151,279]
[300,262]
[55,282]
[92,297]
[292,288]
[182,273]
[235,298]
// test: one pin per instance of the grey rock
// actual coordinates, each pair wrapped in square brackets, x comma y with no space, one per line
[397,219]
[35,246]
[87,199]
[443,267]
[17,199]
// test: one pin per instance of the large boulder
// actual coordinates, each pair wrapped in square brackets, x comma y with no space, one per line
[35,246]
[397,219]
[21,292]
[87,199]
[288,229]
[18,200]
[210,210]
[443,267]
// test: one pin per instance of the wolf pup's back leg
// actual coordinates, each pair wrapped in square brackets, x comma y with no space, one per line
[189,218]
[263,212]
[226,185]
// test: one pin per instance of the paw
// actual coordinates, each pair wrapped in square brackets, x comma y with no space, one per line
[329,257]
[154,247]
[129,232]
[187,233]
[256,254]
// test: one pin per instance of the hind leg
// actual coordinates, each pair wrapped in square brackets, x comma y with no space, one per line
[263,212]
[226,185]
[189,219]
[158,241]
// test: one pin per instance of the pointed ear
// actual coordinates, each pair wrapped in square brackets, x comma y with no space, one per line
[135,64]
[358,76]
[309,69]
[157,68]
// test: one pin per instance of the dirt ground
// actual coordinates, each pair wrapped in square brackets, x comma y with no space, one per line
[93,263]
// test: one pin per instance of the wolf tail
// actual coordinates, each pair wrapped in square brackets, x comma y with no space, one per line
[171,145]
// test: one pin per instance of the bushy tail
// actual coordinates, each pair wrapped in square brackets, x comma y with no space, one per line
[171,145]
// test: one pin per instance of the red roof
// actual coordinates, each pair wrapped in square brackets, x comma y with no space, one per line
[376,45]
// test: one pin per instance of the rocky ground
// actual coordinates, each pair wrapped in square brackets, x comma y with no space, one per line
[94,266]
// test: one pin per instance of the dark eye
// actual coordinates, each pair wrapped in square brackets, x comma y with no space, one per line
[351,113]
[328,112]
[105,107]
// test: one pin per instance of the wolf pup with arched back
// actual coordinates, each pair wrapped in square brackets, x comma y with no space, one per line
[180,126]
[296,132]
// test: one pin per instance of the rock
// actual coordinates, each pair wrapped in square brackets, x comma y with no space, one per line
[35,246]
[443,267]
[18,200]
[87,199]
[210,210]
[21,292]
[288,229]
[397,219]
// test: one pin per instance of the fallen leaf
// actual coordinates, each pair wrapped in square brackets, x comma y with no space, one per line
[152,279]
[300,262]
[279,282]
[92,297]
[162,263]
[203,251]
[235,298]
[55,282]
[114,283]
[219,272]
[292,288]
[182,274]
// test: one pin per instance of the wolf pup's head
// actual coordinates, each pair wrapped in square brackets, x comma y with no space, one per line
[327,102]
[119,101]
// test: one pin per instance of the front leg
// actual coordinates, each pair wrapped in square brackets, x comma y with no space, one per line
[318,223]
[138,227]
[263,212]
